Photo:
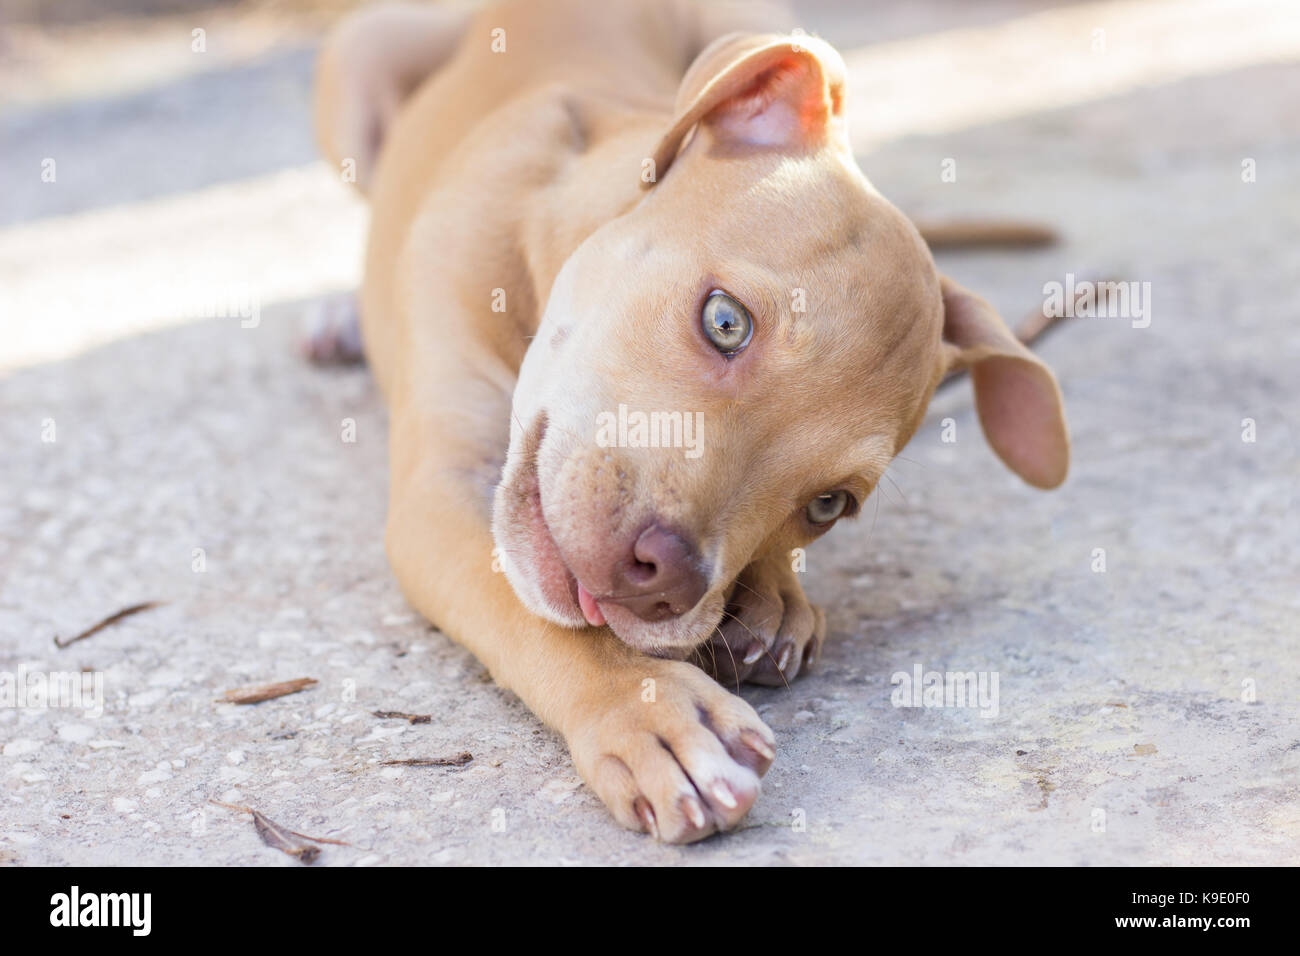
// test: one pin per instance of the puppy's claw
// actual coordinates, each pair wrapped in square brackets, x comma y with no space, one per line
[694,812]
[722,793]
[647,816]
[756,650]
[757,744]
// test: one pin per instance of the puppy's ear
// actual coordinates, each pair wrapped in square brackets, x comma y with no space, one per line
[1016,395]
[763,90]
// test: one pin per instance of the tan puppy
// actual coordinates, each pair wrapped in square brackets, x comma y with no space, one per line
[589,212]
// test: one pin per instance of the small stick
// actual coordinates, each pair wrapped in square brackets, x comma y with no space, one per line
[1034,325]
[111,619]
[398,715]
[984,233]
[255,695]
[459,760]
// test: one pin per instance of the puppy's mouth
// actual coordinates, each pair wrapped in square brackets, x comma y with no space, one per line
[560,588]
[544,579]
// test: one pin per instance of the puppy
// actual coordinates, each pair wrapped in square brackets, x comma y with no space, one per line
[643,328]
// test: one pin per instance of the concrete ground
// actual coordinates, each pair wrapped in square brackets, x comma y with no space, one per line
[1146,713]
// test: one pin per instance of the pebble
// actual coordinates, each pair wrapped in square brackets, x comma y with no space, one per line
[76,733]
[21,746]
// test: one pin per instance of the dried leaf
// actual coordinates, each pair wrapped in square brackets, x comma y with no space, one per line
[255,695]
[111,619]
[277,837]
[459,760]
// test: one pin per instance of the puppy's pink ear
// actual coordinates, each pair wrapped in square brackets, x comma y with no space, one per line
[763,90]
[1016,395]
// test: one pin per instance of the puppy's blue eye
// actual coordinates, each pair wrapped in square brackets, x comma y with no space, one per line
[827,507]
[726,322]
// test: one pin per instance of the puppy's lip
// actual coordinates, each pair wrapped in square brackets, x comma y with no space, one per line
[575,588]
[583,600]
[548,569]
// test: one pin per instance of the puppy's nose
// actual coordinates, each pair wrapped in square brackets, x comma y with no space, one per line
[661,578]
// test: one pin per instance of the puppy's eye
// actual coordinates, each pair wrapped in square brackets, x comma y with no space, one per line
[726,322]
[826,508]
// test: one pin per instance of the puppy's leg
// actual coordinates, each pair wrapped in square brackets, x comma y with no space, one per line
[770,632]
[369,64]
[667,749]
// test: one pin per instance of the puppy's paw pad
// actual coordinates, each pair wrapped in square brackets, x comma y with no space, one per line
[330,332]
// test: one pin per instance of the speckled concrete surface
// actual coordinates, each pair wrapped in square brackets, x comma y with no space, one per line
[1147,714]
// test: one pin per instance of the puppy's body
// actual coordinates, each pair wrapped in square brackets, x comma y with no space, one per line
[522,277]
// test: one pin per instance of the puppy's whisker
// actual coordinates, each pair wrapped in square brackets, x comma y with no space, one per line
[762,597]
[735,670]
[896,487]
[774,613]
[766,651]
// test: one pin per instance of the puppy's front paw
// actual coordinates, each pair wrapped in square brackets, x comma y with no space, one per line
[674,754]
[770,632]
[331,331]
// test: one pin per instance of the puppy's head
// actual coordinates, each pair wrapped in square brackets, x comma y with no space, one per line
[727,369]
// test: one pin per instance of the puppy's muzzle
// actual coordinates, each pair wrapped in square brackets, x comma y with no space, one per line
[660,578]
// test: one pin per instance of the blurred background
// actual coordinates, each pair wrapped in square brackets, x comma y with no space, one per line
[157,154]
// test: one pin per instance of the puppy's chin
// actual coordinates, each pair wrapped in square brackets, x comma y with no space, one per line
[675,639]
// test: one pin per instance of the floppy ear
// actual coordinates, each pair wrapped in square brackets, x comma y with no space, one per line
[1016,395]
[765,90]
